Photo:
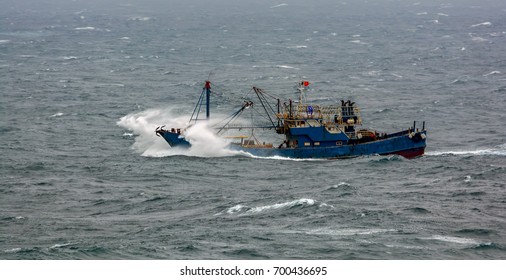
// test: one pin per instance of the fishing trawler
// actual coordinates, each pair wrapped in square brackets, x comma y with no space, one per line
[309,130]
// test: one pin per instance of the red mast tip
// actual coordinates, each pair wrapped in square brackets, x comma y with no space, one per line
[208,85]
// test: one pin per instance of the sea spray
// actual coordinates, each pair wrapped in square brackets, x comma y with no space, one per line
[204,141]
[143,125]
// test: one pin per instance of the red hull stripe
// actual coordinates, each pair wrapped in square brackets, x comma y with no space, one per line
[410,153]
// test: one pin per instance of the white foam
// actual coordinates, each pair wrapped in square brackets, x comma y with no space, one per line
[492,73]
[281,158]
[452,239]
[4,41]
[235,209]
[56,246]
[348,231]
[406,247]
[140,18]
[487,23]
[204,142]
[280,5]
[143,125]
[59,114]
[286,67]
[297,47]
[70,57]
[13,250]
[302,202]
[479,39]
[340,185]
[85,28]
[497,151]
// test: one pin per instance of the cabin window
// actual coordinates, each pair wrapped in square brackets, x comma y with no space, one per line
[339,143]
[317,143]
[307,144]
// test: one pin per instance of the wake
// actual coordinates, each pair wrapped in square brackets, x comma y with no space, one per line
[499,150]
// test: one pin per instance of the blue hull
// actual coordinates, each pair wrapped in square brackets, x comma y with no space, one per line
[403,145]
[174,139]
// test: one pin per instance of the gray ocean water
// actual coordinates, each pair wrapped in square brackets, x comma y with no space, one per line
[84,84]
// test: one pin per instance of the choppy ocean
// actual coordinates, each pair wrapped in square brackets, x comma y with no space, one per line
[84,84]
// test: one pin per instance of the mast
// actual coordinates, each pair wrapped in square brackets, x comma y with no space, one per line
[302,87]
[207,88]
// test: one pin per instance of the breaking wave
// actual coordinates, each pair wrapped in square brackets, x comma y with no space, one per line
[299,203]
[348,231]
[452,239]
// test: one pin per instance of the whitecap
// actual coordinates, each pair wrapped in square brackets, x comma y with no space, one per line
[13,250]
[348,231]
[487,23]
[421,14]
[56,246]
[452,239]
[325,205]
[467,179]
[4,41]
[59,114]
[301,202]
[297,47]
[340,185]
[357,42]
[492,73]
[287,67]
[441,14]
[85,28]
[70,57]
[479,39]
[280,5]
[140,18]
[124,38]
[235,209]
